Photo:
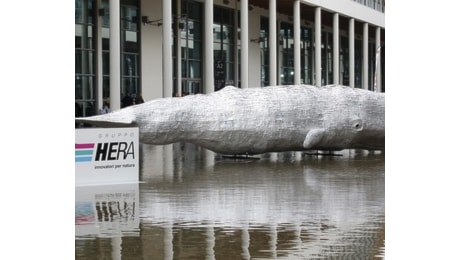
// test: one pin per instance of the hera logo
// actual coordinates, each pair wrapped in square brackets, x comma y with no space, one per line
[114,151]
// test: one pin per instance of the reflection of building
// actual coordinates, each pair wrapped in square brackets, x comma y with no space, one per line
[107,210]
[286,241]
[123,46]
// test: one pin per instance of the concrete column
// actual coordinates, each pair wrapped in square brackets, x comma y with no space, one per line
[273,240]
[178,51]
[378,71]
[335,49]
[365,56]
[244,44]
[210,242]
[116,247]
[273,33]
[115,58]
[168,165]
[167,49]
[245,242]
[351,51]
[318,46]
[100,83]
[236,42]
[168,237]
[208,47]
[297,74]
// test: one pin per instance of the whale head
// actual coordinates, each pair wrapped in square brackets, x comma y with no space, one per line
[354,122]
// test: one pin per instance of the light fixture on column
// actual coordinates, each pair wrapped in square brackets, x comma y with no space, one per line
[257,40]
[145,20]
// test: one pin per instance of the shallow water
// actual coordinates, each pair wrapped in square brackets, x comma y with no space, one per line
[194,204]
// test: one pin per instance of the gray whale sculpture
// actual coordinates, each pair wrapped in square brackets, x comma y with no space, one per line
[250,121]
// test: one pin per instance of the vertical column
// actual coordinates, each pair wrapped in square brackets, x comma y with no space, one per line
[245,241]
[210,242]
[236,41]
[297,42]
[378,75]
[244,44]
[167,49]
[365,56]
[168,165]
[116,247]
[115,59]
[335,56]
[272,42]
[168,237]
[178,50]
[279,53]
[100,83]
[351,51]
[208,47]
[318,46]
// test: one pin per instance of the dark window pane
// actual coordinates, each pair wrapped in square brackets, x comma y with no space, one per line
[195,69]
[130,67]
[105,63]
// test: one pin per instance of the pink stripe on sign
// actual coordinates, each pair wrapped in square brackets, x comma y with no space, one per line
[84,146]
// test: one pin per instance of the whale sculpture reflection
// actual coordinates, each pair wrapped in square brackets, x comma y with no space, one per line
[259,120]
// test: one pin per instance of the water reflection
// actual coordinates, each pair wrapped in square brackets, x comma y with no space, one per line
[194,204]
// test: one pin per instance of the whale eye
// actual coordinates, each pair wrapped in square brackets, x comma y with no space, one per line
[357,125]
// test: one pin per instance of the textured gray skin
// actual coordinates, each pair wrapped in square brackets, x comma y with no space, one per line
[259,120]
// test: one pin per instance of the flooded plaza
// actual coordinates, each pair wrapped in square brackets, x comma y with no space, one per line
[191,203]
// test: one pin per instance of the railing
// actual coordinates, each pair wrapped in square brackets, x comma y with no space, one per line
[378,5]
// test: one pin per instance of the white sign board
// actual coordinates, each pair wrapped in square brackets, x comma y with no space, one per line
[106,155]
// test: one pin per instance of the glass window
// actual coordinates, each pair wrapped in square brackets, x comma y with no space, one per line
[326,58]
[195,69]
[371,65]
[84,13]
[264,52]
[85,62]
[190,33]
[224,44]
[358,63]
[130,16]
[287,45]
[306,53]
[344,61]
[130,27]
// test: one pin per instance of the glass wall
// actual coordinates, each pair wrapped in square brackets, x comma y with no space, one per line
[86,19]
[224,46]
[344,62]
[264,52]
[326,58]
[371,66]
[130,61]
[306,53]
[358,63]
[85,61]
[105,35]
[190,26]
[287,53]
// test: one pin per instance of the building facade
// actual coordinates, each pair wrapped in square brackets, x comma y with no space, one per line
[124,49]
